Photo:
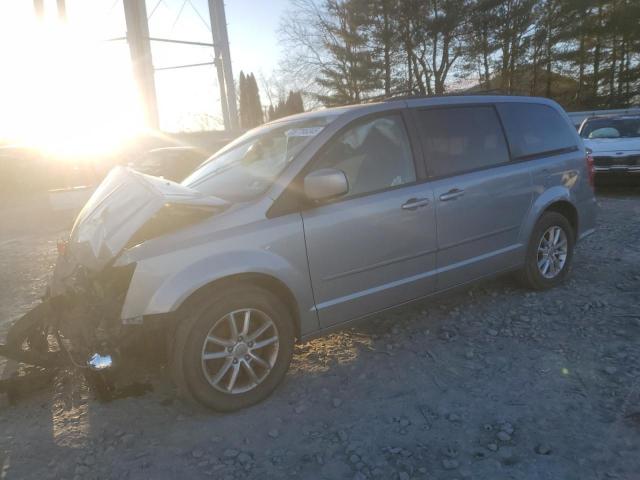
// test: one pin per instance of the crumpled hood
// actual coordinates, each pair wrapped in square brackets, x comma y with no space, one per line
[607,145]
[123,202]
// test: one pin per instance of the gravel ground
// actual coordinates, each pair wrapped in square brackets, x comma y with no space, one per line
[493,382]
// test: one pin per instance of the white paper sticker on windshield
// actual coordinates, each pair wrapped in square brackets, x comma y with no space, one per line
[303,132]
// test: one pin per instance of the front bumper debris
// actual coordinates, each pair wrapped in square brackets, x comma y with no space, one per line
[100,363]
[78,324]
[80,328]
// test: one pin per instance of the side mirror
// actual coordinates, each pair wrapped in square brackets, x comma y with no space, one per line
[325,183]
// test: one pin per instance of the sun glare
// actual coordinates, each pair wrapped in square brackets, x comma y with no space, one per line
[64,92]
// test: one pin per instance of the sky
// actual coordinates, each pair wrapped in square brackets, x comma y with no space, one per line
[253,36]
[60,77]
[252,26]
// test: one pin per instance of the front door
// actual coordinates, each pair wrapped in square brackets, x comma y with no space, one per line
[375,247]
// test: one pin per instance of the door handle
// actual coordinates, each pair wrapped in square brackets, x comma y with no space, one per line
[452,194]
[414,203]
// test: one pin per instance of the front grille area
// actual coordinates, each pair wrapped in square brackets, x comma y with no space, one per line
[622,160]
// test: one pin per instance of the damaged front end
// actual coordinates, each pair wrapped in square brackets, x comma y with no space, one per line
[78,323]
[78,328]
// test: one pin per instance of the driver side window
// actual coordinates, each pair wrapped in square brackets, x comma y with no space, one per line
[374,155]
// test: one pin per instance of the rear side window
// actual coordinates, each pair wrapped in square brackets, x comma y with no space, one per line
[535,129]
[460,139]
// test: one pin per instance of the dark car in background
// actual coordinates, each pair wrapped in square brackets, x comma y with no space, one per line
[172,163]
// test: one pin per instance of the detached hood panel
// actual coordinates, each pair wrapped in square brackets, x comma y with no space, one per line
[123,202]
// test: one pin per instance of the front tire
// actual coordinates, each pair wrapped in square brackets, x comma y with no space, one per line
[549,254]
[234,348]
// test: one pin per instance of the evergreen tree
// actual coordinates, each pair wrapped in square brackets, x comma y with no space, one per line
[243,101]
[250,105]
[292,105]
[255,103]
[583,53]
[351,75]
[384,22]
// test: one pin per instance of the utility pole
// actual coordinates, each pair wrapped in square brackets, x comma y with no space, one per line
[135,13]
[38,6]
[223,64]
[62,10]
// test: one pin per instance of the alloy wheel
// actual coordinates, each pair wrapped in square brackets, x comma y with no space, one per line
[240,350]
[552,252]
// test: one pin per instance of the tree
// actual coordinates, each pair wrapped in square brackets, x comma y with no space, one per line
[255,105]
[585,53]
[479,42]
[352,74]
[250,106]
[439,33]
[292,105]
[513,26]
[383,25]
[243,101]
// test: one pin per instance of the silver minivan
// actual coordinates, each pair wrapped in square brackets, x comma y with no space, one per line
[315,220]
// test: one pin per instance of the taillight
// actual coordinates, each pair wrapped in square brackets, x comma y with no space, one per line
[590,168]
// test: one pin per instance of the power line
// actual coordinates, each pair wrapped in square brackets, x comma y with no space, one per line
[175,67]
[178,16]
[185,42]
[206,24]
[153,10]
[166,40]
[113,5]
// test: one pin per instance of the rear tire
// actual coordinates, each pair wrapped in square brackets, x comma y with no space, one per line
[549,254]
[228,368]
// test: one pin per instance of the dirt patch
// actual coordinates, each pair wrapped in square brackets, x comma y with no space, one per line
[491,382]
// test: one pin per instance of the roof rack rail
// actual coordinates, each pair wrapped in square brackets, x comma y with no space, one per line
[394,98]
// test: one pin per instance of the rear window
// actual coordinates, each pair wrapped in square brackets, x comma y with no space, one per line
[461,139]
[611,128]
[535,129]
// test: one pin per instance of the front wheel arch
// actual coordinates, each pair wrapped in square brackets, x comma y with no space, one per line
[185,356]
[268,282]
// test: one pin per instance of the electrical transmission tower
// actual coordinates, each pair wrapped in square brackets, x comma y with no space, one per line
[140,49]
[135,15]
[135,12]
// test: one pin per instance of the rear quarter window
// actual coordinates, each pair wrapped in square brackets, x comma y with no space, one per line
[535,129]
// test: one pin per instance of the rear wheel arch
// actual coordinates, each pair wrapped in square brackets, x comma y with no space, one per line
[262,280]
[567,210]
[560,253]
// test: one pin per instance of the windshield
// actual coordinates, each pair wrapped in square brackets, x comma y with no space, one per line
[248,166]
[611,128]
